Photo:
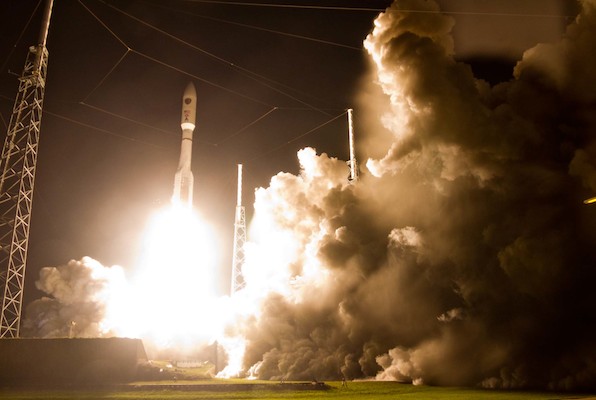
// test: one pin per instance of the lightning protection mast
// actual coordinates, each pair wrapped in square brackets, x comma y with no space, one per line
[352,163]
[239,240]
[17,165]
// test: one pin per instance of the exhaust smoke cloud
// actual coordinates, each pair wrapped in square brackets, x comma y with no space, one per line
[464,254]
[466,257]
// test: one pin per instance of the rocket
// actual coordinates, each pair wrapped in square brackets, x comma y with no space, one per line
[183,180]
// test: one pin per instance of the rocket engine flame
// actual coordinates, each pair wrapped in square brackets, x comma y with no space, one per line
[168,301]
[175,280]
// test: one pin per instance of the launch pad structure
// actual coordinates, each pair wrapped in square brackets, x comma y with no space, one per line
[17,165]
[70,362]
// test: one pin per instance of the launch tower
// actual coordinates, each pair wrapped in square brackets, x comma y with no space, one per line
[239,239]
[17,166]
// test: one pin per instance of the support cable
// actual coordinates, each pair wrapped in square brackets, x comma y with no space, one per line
[103,130]
[128,50]
[169,133]
[127,119]
[258,28]
[246,127]
[246,72]
[163,63]
[307,7]
[60,116]
[103,24]
[20,36]
[279,84]
[298,137]
[4,122]
[366,9]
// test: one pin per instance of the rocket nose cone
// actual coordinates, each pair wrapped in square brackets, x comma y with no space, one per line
[190,91]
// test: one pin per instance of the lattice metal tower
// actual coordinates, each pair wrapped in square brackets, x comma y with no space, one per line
[239,240]
[17,165]
[352,163]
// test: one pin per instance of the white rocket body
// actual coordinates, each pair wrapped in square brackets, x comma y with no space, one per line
[183,181]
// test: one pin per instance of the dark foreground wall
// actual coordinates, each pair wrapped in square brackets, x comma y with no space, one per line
[55,362]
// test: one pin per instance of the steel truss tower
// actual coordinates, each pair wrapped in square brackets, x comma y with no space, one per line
[17,165]
[239,240]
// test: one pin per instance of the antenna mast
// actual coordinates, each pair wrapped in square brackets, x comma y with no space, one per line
[239,240]
[17,166]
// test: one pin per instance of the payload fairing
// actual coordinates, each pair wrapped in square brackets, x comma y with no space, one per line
[183,180]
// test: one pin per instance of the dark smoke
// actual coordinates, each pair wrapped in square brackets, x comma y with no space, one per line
[465,256]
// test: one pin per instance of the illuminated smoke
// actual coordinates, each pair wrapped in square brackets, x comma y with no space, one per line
[80,294]
[467,257]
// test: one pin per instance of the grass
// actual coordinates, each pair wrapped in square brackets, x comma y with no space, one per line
[354,390]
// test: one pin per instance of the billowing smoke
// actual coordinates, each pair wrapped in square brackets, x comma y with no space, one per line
[80,293]
[465,256]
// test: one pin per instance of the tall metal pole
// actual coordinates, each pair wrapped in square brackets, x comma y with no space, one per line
[45,24]
[239,191]
[239,239]
[352,162]
[18,164]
